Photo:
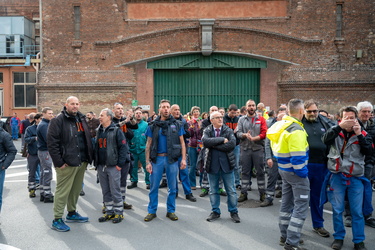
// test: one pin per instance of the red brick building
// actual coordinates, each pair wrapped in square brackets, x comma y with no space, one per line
[19,59]
[207,52]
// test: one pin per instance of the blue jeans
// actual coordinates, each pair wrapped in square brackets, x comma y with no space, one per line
[338,186]
[14,132]
[228,179]
[193,155]
[184,177]
[155,178]
[2,178]
[317,173]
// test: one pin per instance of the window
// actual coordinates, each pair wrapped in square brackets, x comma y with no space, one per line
[1,78]
[338,20]
[77,22]
[24,89]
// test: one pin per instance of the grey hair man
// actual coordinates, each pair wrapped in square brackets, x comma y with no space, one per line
[110,157]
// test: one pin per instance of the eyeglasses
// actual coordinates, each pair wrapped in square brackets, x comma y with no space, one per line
[218,117]
[311,111]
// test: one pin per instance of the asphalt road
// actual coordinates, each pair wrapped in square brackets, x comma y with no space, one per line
[25,222]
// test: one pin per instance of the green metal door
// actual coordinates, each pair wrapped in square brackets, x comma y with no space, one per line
[206,87]
[204,81]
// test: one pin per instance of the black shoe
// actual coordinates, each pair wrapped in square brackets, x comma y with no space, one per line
[191,198]
[213,216]
[106,217]
[235,217]
[82,193]
[337,244]
[163,184]
[41,197]
[370,221]
[132,185]
[358,246]
[147,186]
[278,194]
[127,206]
[290,247]
[48,199]
[283,240]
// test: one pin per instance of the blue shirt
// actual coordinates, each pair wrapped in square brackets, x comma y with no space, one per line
[162,140]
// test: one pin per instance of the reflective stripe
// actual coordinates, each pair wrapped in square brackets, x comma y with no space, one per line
[295,229]
[283,214]
[278,154]
[289,165]
[284,222]
[299,153]
[297,221]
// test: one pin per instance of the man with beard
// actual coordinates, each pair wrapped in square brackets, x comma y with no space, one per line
[316,125]
[165,145]
[70,147]
[251,130]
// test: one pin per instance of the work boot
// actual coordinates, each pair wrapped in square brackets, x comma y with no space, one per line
[32,193]
[360,246]
[204,192]
[222,192]
[191,198]
[348,221]
[337,244]
[163,184]
[243,197]
[127,206]
[266,203]
[133,184]
[321,231]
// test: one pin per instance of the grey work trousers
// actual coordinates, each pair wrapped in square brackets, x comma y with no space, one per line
[45,172]
[273,176]
[250,159]
[109,179]
[294,206]
[32,162]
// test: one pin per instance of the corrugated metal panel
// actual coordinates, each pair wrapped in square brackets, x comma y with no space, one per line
[206,87]
[198,61]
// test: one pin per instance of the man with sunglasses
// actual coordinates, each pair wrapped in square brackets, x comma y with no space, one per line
[316,125]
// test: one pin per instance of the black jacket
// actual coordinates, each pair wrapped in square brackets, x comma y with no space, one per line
[370,129]
[30,140]
[62,140]
[211,143]
[113,150]
[172,129]
[7,149]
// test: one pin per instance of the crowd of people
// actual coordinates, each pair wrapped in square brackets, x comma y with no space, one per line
[298,152]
